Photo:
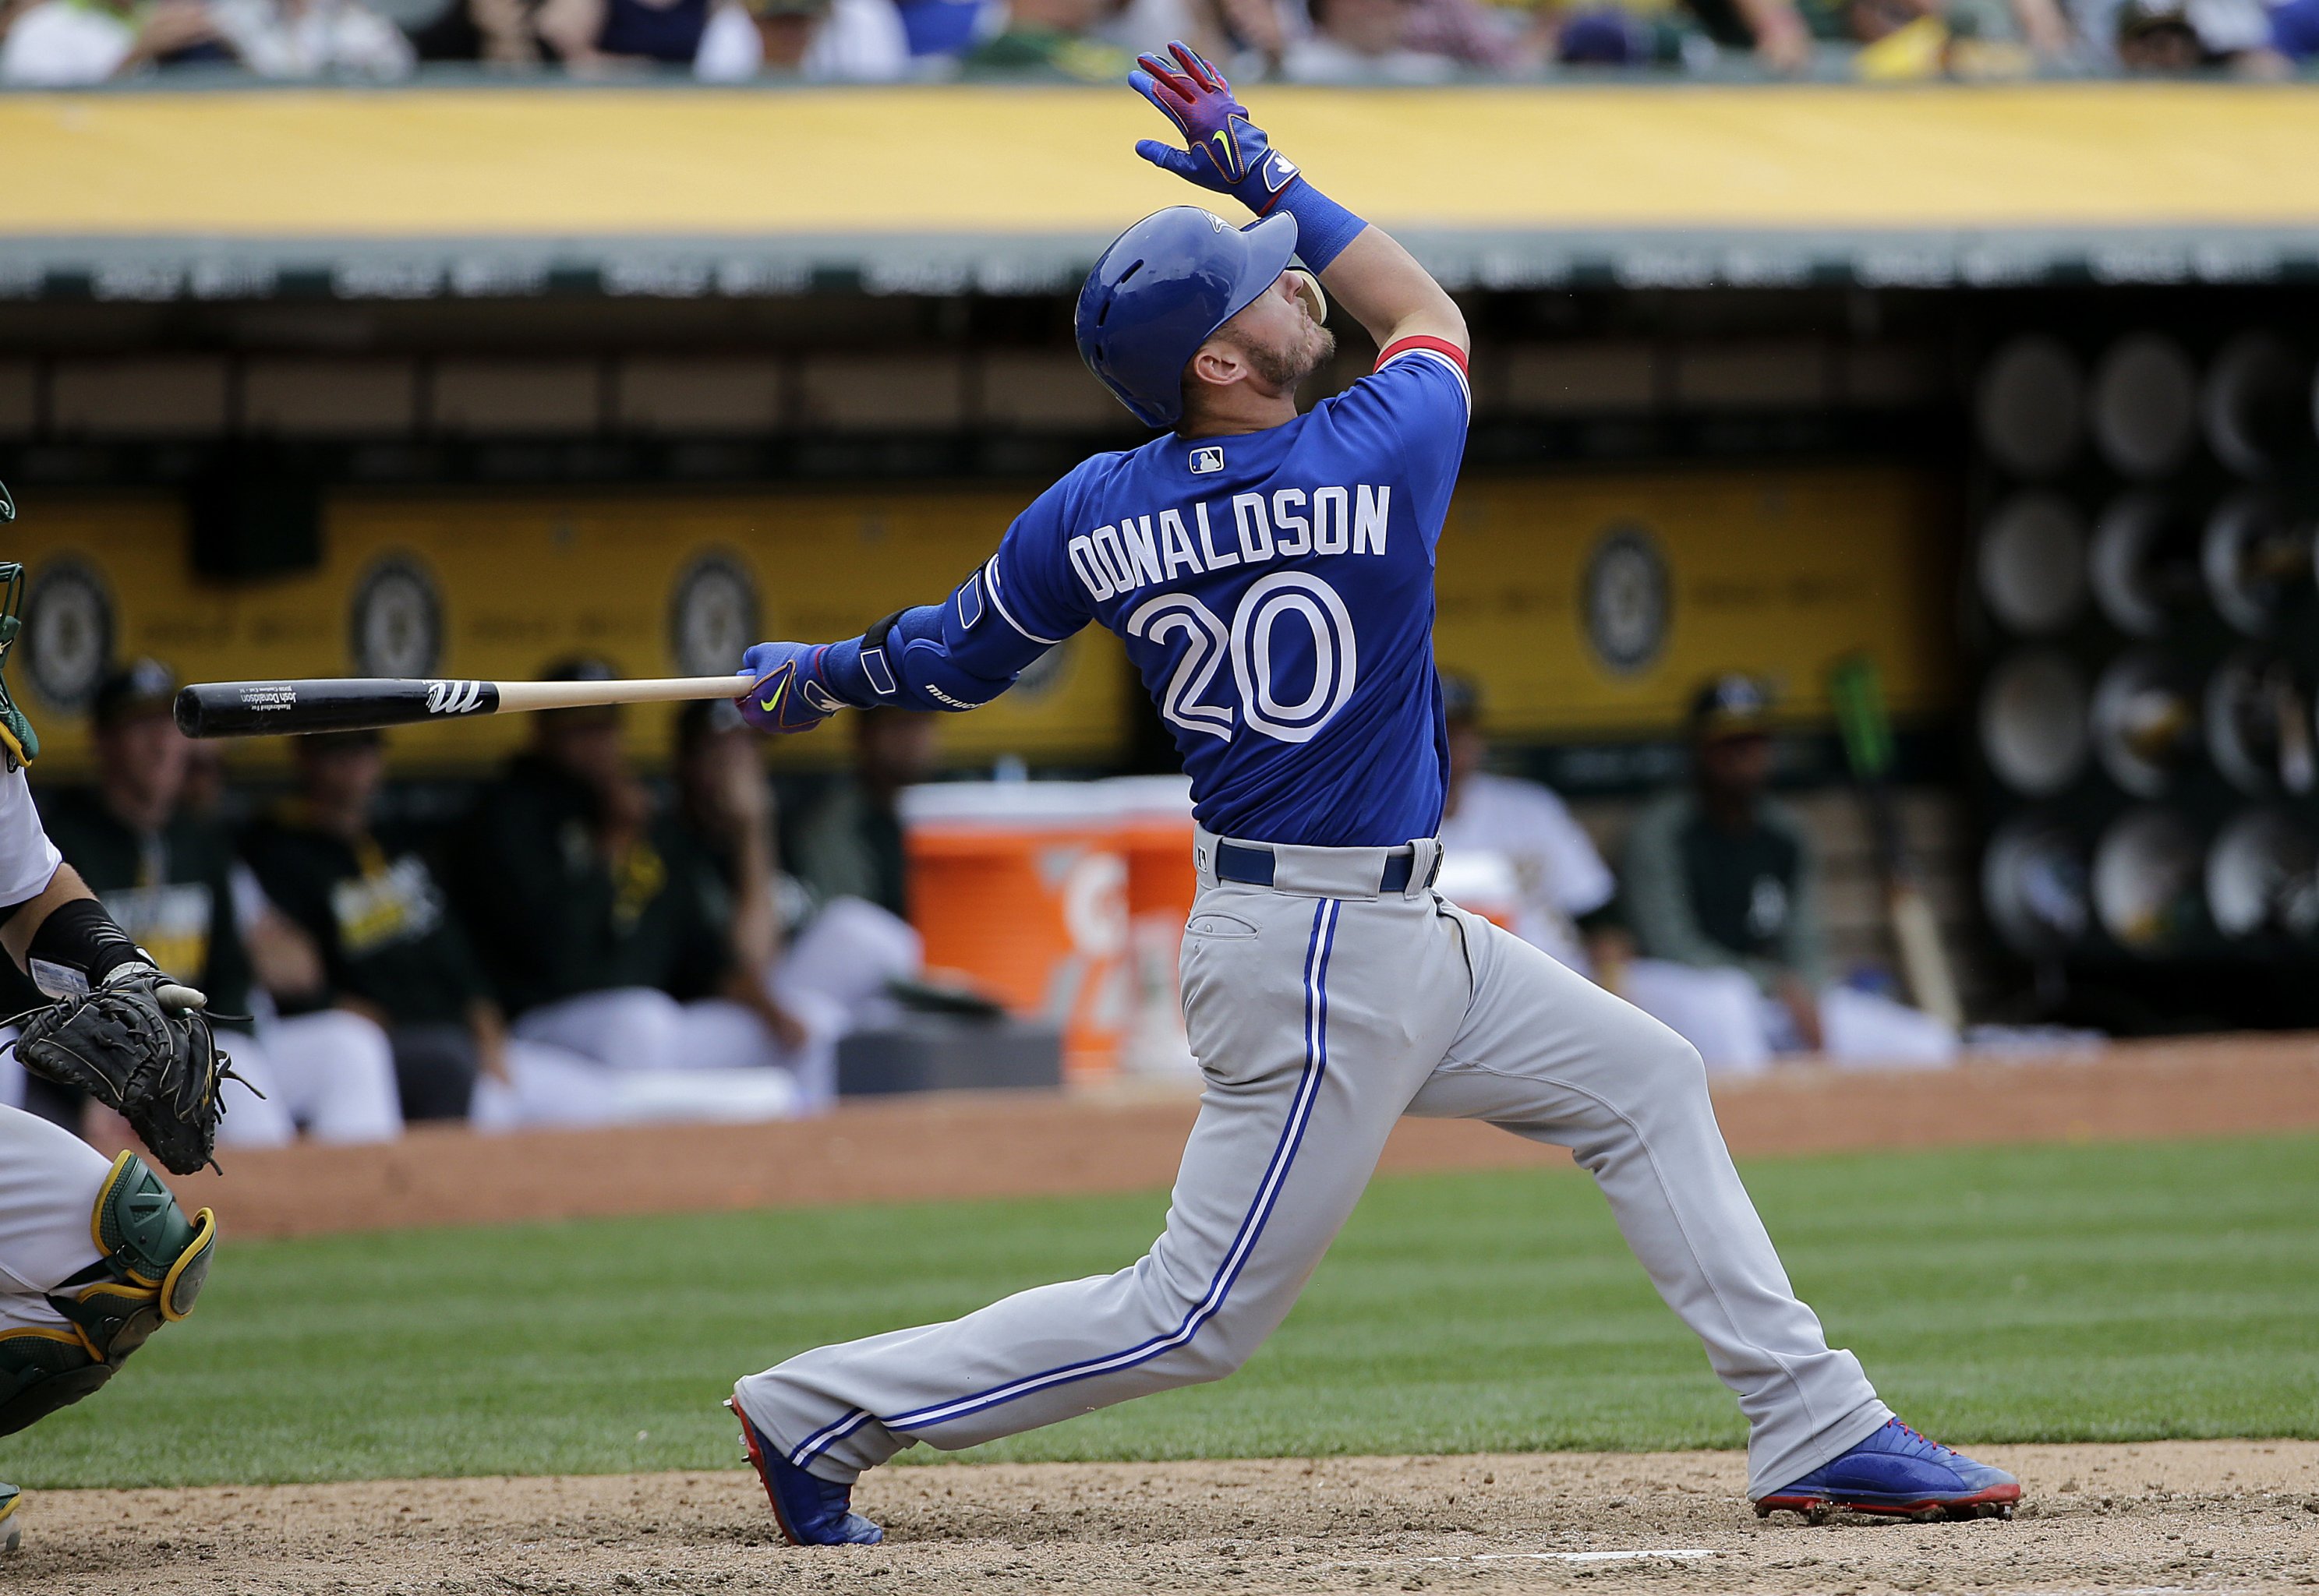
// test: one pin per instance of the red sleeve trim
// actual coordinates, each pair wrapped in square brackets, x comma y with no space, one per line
[1441,346]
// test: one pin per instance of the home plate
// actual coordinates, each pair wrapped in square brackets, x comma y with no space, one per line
[1577,1556]
[1677,1552]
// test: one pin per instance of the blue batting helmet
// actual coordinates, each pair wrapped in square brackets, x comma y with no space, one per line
[1161,288]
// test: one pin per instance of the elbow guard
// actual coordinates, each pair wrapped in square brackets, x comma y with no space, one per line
[934,657]
[947,667]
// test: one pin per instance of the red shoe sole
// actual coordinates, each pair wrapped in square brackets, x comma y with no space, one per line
[2000,1497]
[757,1462]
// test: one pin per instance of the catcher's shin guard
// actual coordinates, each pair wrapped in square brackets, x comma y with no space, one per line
[151,1265]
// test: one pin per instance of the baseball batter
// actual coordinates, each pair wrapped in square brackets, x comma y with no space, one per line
[94,1253]
[1271,576]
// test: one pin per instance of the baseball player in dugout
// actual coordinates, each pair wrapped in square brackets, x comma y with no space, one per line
[634,946]
[1566,892]
[1723,896]
[809,965]
[562,873]
[1271,573]
[94,1253]
[390,950]
[169,876]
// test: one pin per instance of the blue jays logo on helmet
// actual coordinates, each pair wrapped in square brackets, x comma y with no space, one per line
[1161,288]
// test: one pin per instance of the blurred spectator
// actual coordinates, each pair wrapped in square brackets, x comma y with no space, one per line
[1054,34]
[1721,877]
[493,32]
[1906,38]
[562,876]
[1615,36]
[1258,28]
[312,39]
[596,36]
[850,844]
[805,976]
[1773,30]
[201,792]
[2294,30]
[818,41]
[61,43]
[1361,41]
[168,879]
[1562,880]
[1137,26]
[2175,35]
[2158,39]
[1131,27]
[2183,35]
[1484,38]
[2038,24]
[936,28]
[372,908]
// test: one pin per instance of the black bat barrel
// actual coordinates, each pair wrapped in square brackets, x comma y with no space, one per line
[325,704]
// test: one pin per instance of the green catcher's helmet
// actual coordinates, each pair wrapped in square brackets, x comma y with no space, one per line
[18,743]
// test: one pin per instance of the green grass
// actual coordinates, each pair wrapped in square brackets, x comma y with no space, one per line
[2046,1293]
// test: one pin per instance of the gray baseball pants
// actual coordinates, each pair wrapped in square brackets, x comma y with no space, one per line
[1322,1010]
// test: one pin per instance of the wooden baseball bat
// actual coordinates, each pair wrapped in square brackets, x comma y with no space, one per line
[365,703]
[1859,699]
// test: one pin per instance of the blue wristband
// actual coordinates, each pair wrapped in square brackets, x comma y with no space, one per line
[861,670]
[841,670]
[1323,227]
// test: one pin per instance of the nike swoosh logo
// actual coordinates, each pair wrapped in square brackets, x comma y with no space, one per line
[1232,156]
[773,703]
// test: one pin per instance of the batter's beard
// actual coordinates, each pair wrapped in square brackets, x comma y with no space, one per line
[1286,369]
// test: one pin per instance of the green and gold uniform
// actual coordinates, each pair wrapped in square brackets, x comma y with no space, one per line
[552,917]
[387,938]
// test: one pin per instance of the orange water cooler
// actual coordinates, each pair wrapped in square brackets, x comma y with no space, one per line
[1051,896]
[1483,882]
[1155,832]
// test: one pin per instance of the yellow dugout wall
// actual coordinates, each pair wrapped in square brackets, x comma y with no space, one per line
[1545,591]
[288,163]
[1589,605]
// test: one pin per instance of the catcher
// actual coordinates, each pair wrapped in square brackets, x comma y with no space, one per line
[94,1253]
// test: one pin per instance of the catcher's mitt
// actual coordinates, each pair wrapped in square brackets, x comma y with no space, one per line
[141,1045]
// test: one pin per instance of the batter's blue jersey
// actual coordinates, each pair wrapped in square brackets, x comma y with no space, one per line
[1274,591]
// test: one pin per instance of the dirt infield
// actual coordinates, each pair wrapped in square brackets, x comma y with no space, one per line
[2206,1516]
[1020,1144]
[2212,1515]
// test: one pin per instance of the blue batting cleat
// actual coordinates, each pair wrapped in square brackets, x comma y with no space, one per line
[810,1511]
[1899,1473]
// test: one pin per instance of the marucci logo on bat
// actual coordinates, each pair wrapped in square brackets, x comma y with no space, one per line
[454,698]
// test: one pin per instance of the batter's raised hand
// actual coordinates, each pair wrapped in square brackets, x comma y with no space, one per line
[786,690]
[1224,150]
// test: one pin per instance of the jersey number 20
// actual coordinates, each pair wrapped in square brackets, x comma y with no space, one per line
[1290,598]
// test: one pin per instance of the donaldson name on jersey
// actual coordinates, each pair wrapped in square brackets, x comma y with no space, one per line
[1275,592]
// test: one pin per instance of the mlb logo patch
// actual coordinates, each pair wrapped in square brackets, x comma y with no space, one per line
[1208,461]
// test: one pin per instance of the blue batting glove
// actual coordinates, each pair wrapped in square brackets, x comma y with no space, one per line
[787,691]
[1227,152]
